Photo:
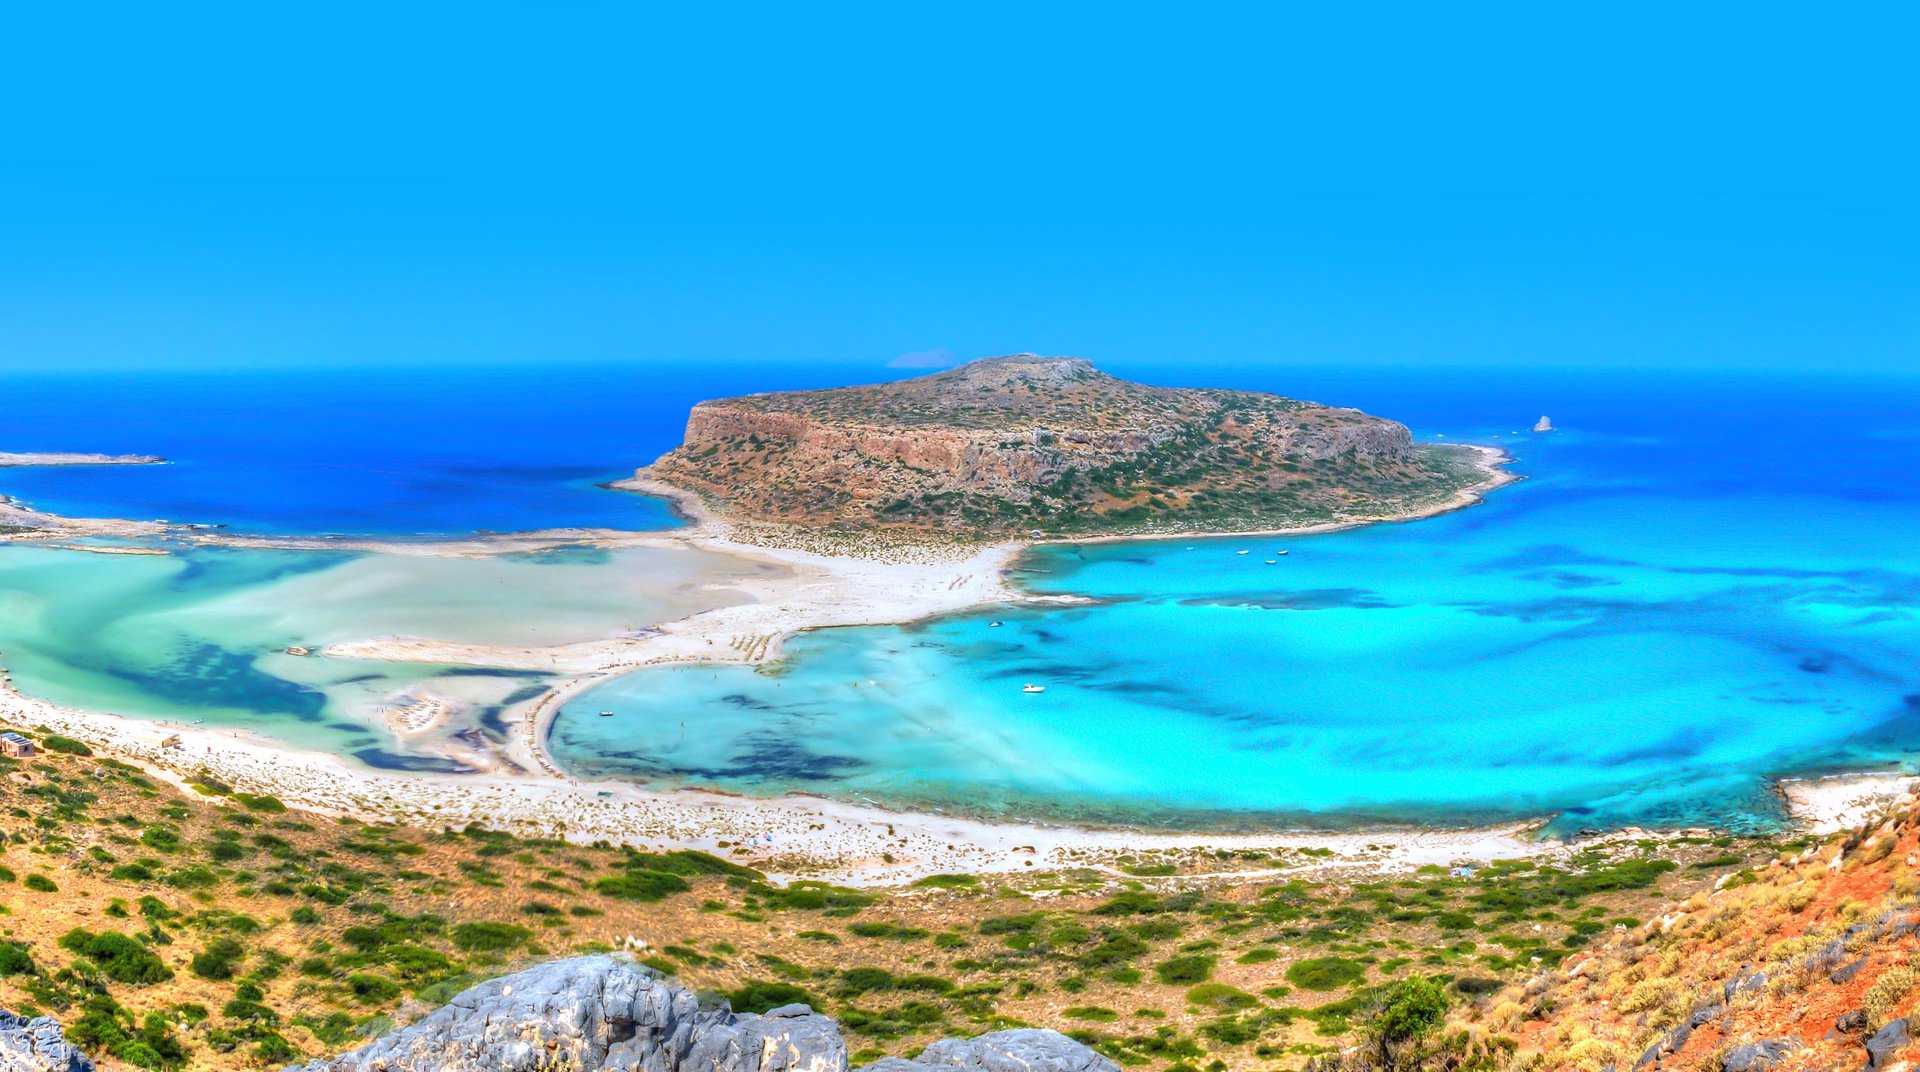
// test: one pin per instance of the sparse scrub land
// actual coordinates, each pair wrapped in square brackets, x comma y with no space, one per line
[192,931]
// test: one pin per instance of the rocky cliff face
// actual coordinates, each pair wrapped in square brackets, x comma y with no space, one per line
[1811,963]
[37,1046]
[601,1014]
[1033,442]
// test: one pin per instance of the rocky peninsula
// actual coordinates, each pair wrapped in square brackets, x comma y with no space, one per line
[1052,447]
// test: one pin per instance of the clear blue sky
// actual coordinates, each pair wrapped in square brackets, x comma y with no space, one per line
[289,184]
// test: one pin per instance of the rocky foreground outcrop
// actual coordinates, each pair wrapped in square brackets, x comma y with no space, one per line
[37,1045]
[1013,443]
[603,1014]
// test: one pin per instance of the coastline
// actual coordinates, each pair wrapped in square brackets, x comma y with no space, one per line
[797,837]
[1492,461]
[791,837]
[809,837]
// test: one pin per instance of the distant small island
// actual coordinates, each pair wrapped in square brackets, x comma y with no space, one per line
[17,459]
[1026,445]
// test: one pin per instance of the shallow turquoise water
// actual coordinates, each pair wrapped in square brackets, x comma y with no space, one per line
[1667,613]
[1702,584]
[201,633]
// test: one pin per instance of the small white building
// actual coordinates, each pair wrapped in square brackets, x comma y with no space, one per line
[12,744]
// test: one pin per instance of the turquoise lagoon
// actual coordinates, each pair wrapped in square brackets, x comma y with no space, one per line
[201,633]
[1701,584]
[1686,598]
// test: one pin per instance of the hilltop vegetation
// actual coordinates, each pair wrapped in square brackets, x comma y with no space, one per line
[1017,443]
[209,930]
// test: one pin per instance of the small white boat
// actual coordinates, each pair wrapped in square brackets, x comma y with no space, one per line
[606,714]
[993,625]
[1034,688]
[1273,562]
[296,649]
[1240,552]
[1282,552]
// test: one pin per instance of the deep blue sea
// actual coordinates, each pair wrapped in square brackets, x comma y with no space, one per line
[1702,583]
[390,453]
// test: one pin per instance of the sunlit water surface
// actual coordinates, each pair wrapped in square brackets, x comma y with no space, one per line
[1702,584]
[1699,586]
[201,634]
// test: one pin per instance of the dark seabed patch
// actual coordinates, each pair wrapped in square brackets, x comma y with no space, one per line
[381,759]
[211,676]
[219,567]
[572,555]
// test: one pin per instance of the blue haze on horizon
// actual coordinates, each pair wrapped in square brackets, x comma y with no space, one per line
[238,186]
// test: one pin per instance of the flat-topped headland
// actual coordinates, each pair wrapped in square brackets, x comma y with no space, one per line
[1023,447]
[1051,447]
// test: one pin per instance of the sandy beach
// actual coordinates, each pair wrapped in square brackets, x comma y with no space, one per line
[790,837]
[804,837]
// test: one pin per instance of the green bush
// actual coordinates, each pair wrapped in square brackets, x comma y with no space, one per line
[687,862]
[41,884]
[485,937]
[1325,973]
[1407,1012]
[372,989]
[1113,949]
[273,1049]
[417,963]
[1221,997]
[119,957]
[53,742]
[219,960]
[862,980]
[1181,971]
[642,885]
[881,929]
[261,802]
[16,959]
[758,997]
[815,896]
